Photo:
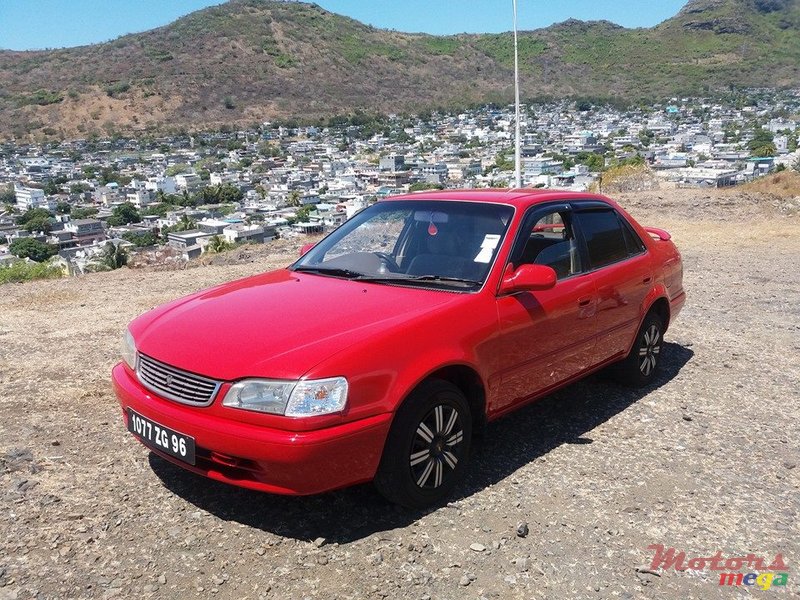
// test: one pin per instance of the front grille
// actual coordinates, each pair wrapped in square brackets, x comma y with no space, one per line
[175,384]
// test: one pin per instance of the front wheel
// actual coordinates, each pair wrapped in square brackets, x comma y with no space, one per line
[640,366]
[428,446]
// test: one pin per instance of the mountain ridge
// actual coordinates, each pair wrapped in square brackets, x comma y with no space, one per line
[252,60]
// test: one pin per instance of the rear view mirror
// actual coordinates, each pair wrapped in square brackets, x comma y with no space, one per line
[305,248]
[528,278]
[427,216]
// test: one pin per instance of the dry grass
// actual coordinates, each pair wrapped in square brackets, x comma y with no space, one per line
[785,184]
[627,178]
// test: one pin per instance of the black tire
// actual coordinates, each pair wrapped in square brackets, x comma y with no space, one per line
[428,446]
[640,367]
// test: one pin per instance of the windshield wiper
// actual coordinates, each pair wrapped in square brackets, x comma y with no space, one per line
[418,278]
[355,275]
[333,272]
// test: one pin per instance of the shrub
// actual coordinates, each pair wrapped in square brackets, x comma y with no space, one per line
[117,88]
[20,270]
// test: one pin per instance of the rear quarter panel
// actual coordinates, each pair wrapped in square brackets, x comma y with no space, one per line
[666,265]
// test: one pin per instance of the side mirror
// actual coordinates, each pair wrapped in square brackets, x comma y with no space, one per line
[528,278]
[305,248]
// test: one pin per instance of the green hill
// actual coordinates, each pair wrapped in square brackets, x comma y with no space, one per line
[251,60]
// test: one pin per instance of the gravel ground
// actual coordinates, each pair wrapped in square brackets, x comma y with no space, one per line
[705,460]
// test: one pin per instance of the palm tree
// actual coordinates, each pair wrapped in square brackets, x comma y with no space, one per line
[294,198]
[185,224]
[217,244]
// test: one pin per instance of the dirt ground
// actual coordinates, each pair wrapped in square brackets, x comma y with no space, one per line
[704,460]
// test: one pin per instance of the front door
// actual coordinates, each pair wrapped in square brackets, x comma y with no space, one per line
[545,336]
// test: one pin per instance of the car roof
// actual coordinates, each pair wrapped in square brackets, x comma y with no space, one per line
[520,198]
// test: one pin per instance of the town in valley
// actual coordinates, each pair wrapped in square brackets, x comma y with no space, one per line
[93,204]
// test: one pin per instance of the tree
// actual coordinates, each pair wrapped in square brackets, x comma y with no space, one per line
[294,198]
[303,213]
[32,214]
[141,239]
[185,199]
[38,224]
[8,195]
[83,213]
[764,151]
[185,224]
[124,214]
[762,144]
[50,188]
[503,163]
[33,249]
[177,169]
[63,208]
[114,256]
[424,185]
[595,162]
[217,244]
[159,210]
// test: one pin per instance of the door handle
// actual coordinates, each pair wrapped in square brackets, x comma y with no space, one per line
[647,279]
[584,301]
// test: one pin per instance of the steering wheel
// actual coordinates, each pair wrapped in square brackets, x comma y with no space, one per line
[388,261]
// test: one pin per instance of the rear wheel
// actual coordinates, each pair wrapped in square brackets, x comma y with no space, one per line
[640,366]
[427,447]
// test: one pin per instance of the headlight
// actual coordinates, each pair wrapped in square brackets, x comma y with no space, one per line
[303,398]
[129,349]
[261,395]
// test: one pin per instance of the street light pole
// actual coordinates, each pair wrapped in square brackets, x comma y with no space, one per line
[517,142]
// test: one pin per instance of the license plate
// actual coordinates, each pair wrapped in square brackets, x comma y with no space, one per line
[158,437]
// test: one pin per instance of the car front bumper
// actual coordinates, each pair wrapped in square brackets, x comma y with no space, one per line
[262,458]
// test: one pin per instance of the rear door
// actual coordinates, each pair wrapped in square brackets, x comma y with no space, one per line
[620,267]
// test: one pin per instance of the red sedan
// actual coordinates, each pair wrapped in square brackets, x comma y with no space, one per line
[377,354]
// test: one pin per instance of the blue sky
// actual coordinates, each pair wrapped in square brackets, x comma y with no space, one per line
[32,24]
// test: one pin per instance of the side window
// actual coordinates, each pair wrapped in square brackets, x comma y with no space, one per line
[632,240]
[604,235]
[551,242]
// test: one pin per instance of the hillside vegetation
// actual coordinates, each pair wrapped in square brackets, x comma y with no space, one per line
[250,60]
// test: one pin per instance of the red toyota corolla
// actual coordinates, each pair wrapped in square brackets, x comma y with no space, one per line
[376,355]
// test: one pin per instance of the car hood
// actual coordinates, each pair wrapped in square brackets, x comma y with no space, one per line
[279,324]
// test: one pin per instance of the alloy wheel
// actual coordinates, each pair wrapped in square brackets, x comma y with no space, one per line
[649,349]
[437,447]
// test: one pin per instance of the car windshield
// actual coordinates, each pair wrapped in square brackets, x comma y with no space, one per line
[414,242]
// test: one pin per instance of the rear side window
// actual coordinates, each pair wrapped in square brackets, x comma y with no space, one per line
[604,235]
[635,244]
